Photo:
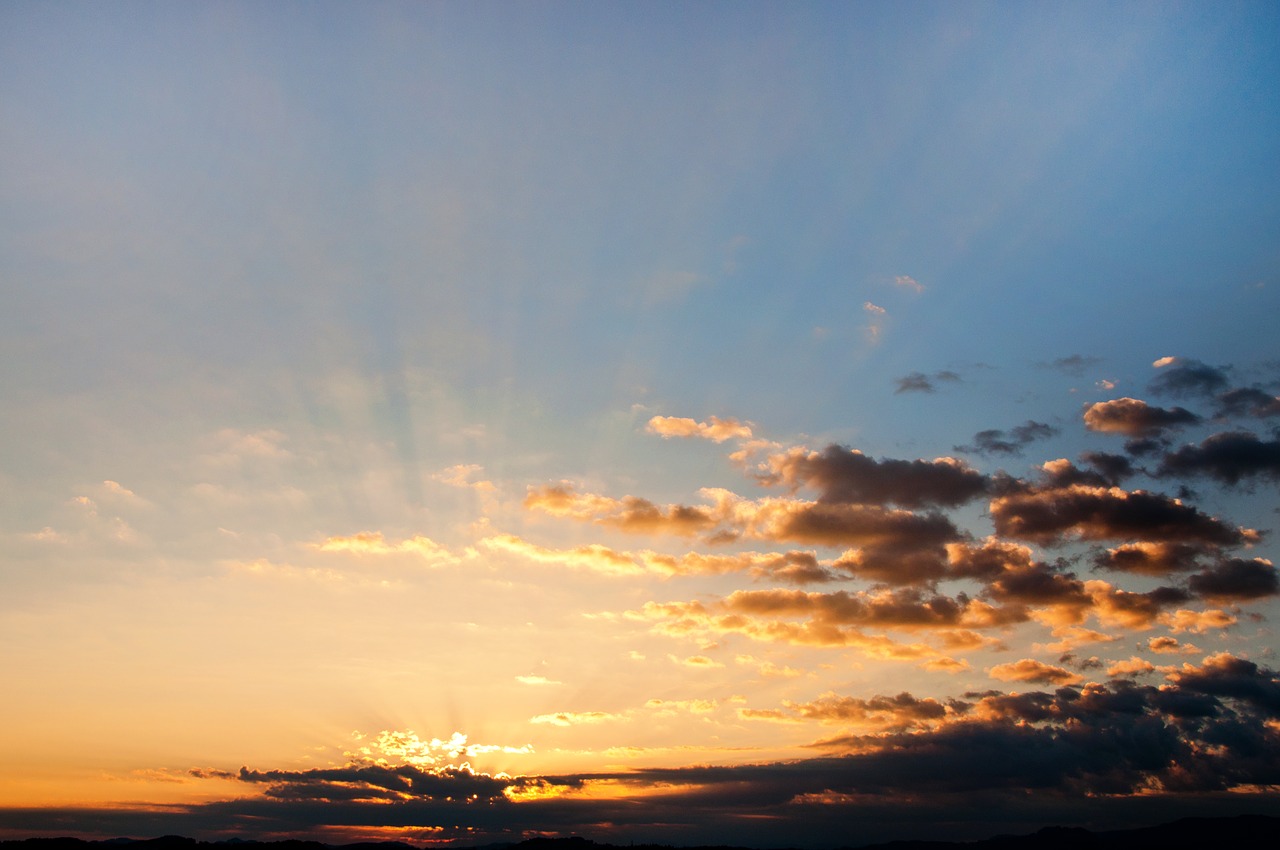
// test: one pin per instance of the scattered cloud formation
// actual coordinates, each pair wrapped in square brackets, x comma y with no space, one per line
[995,441]
[918,382]
[688,428]
[1074,365]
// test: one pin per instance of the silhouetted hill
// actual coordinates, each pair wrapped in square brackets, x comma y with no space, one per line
[1246,832]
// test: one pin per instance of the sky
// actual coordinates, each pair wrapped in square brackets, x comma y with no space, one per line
[775,424]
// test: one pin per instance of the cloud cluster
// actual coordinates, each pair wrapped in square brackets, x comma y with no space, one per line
[934,562]
[885,525]
[1204,729]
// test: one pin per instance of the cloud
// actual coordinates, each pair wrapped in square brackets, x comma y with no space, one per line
[792,567]
[876,324]
[995,441]
[1074,364]
[372,543]
[1135,418]
[1169,645]
[843,475]
[460,474]
[631,513]
[576,718]
[1236,580]
[918,382]
[1053,515]
[1197,622]
[907,282]
[717,430]
[1229,457]
[536,680]
[698,661]
[1133,666]
[839,524]
[591,556]
[1247,401]
[1181,377]
[1030,670]
[692,706]
[1153,558]
[901,711]
[1209,728]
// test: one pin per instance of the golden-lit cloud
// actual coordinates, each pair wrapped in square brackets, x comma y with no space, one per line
[576,718]
[460,475]
[1130,667]
[1169,645]
[372,543]
[1133,417]
[1197,622]
[592,556]
[715,429]
[1031,670]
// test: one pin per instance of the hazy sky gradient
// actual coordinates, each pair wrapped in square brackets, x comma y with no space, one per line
[708,422]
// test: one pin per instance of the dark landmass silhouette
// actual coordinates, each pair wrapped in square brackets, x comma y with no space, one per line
[1243,832]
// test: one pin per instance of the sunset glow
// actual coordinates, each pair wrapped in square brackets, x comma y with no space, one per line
[777,425]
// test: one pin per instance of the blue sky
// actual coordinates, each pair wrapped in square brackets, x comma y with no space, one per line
[289,287]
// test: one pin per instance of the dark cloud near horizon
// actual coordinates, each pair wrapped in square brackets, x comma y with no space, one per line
[1206,737]
[1012,442]
[1210,728]
[376,782]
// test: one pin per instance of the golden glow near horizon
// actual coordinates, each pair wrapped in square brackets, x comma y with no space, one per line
[799,425]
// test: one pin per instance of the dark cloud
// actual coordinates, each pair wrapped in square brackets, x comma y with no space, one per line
[1040,584]
[1135,418]
[1188,378]
[1145,446]
[1247,401]
[1073,365]
[994,441]
[1236,580]
[846,475]
[1112,467]
[1159,558]
[377,783]
[1229,457]
[915,382]
[1202,742]
[908,564]
[1052,515]
[1227,676]
[824,524]
[903,608]
[901,710]
[918,382]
